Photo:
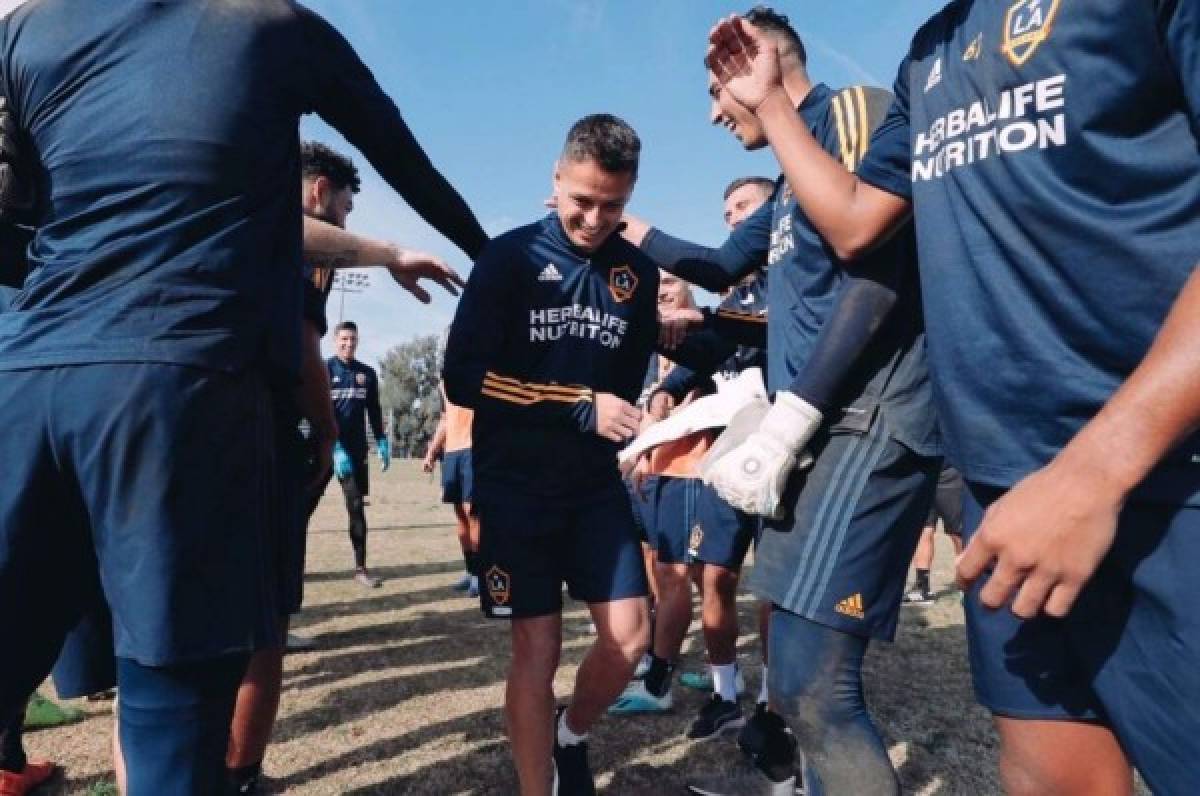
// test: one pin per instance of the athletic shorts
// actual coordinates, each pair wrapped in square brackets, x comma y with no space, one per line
[87,663]
[151,479]
[643,501]
[948,502]
[457,479]
[528,550]
[1127,655]
[840,556]
[675,503]
[694,525]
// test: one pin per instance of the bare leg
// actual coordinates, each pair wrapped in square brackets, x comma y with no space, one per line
[622,634]
[529,699]
[719,615]
[923,557]
[674,611]
[1061,758]
[255,709]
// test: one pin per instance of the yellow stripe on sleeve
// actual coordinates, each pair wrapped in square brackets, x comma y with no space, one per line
[841,130]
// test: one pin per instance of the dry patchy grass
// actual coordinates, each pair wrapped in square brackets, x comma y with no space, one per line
[404,694]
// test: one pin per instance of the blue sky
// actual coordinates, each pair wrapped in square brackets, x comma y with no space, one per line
[490,89]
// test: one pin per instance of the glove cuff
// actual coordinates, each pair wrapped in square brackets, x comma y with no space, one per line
[792,421]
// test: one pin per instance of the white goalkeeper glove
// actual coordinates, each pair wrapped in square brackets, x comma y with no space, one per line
[750,462]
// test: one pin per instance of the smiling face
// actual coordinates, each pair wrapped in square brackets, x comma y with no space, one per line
[734,117]
[346,344]
[590,200]
[673,292]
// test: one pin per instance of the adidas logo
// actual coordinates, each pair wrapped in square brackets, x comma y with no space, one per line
[851,606]
[935,76]
[550,274]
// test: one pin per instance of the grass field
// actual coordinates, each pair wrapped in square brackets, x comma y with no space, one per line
[404,694]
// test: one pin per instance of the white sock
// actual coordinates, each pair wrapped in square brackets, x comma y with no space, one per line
[565,736]
[762,689]
[725,680]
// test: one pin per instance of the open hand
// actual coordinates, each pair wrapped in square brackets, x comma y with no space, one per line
[675,325]
[1045,537]
[744,61]
[410,266]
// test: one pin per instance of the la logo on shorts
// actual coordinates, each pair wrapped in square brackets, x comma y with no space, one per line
[499,586]
[694,540]
[622,283]
[1027,25]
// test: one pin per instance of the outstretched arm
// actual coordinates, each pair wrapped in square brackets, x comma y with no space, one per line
[851,215]
[329,246]
[348,97]
[712,269]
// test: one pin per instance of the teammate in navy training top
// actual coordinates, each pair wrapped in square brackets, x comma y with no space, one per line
[847,369]
[164,286]
[1049,153]
[549,345]
[355,393]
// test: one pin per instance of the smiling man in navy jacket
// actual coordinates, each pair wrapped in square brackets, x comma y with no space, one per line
[549,346]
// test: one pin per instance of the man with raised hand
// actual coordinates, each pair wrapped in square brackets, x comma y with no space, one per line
[164,298]
[846,367]
[1063,339]
[549,347]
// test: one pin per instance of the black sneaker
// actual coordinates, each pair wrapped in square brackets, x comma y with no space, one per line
[572,774]
[718,717]
[767,739]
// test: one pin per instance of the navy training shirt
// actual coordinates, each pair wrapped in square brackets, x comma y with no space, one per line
[1050,152]
[354,388]
[806,280]
[540,329]
[166,141]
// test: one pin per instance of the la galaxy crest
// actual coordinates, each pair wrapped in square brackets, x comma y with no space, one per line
[1027,24]
[361,378]
[622,283]
[499,585]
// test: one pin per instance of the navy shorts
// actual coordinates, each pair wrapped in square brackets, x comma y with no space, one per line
[458,482]
[840,556]
[1127,655]
[643,501]
[527,550]
[152,480]
[721,534]
[948,502]
[87,663]
[675,503]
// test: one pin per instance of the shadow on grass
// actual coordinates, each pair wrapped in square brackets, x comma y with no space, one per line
[918,689]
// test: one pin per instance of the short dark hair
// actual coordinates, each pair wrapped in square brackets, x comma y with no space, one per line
[766,183]
[346,326]
[771,21]
[318,160]
[605,139]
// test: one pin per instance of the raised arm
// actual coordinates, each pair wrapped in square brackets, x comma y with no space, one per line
[348,97]
[330,246]
[712,269]
[852,216]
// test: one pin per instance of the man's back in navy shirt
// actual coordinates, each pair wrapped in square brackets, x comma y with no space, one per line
[168,164]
